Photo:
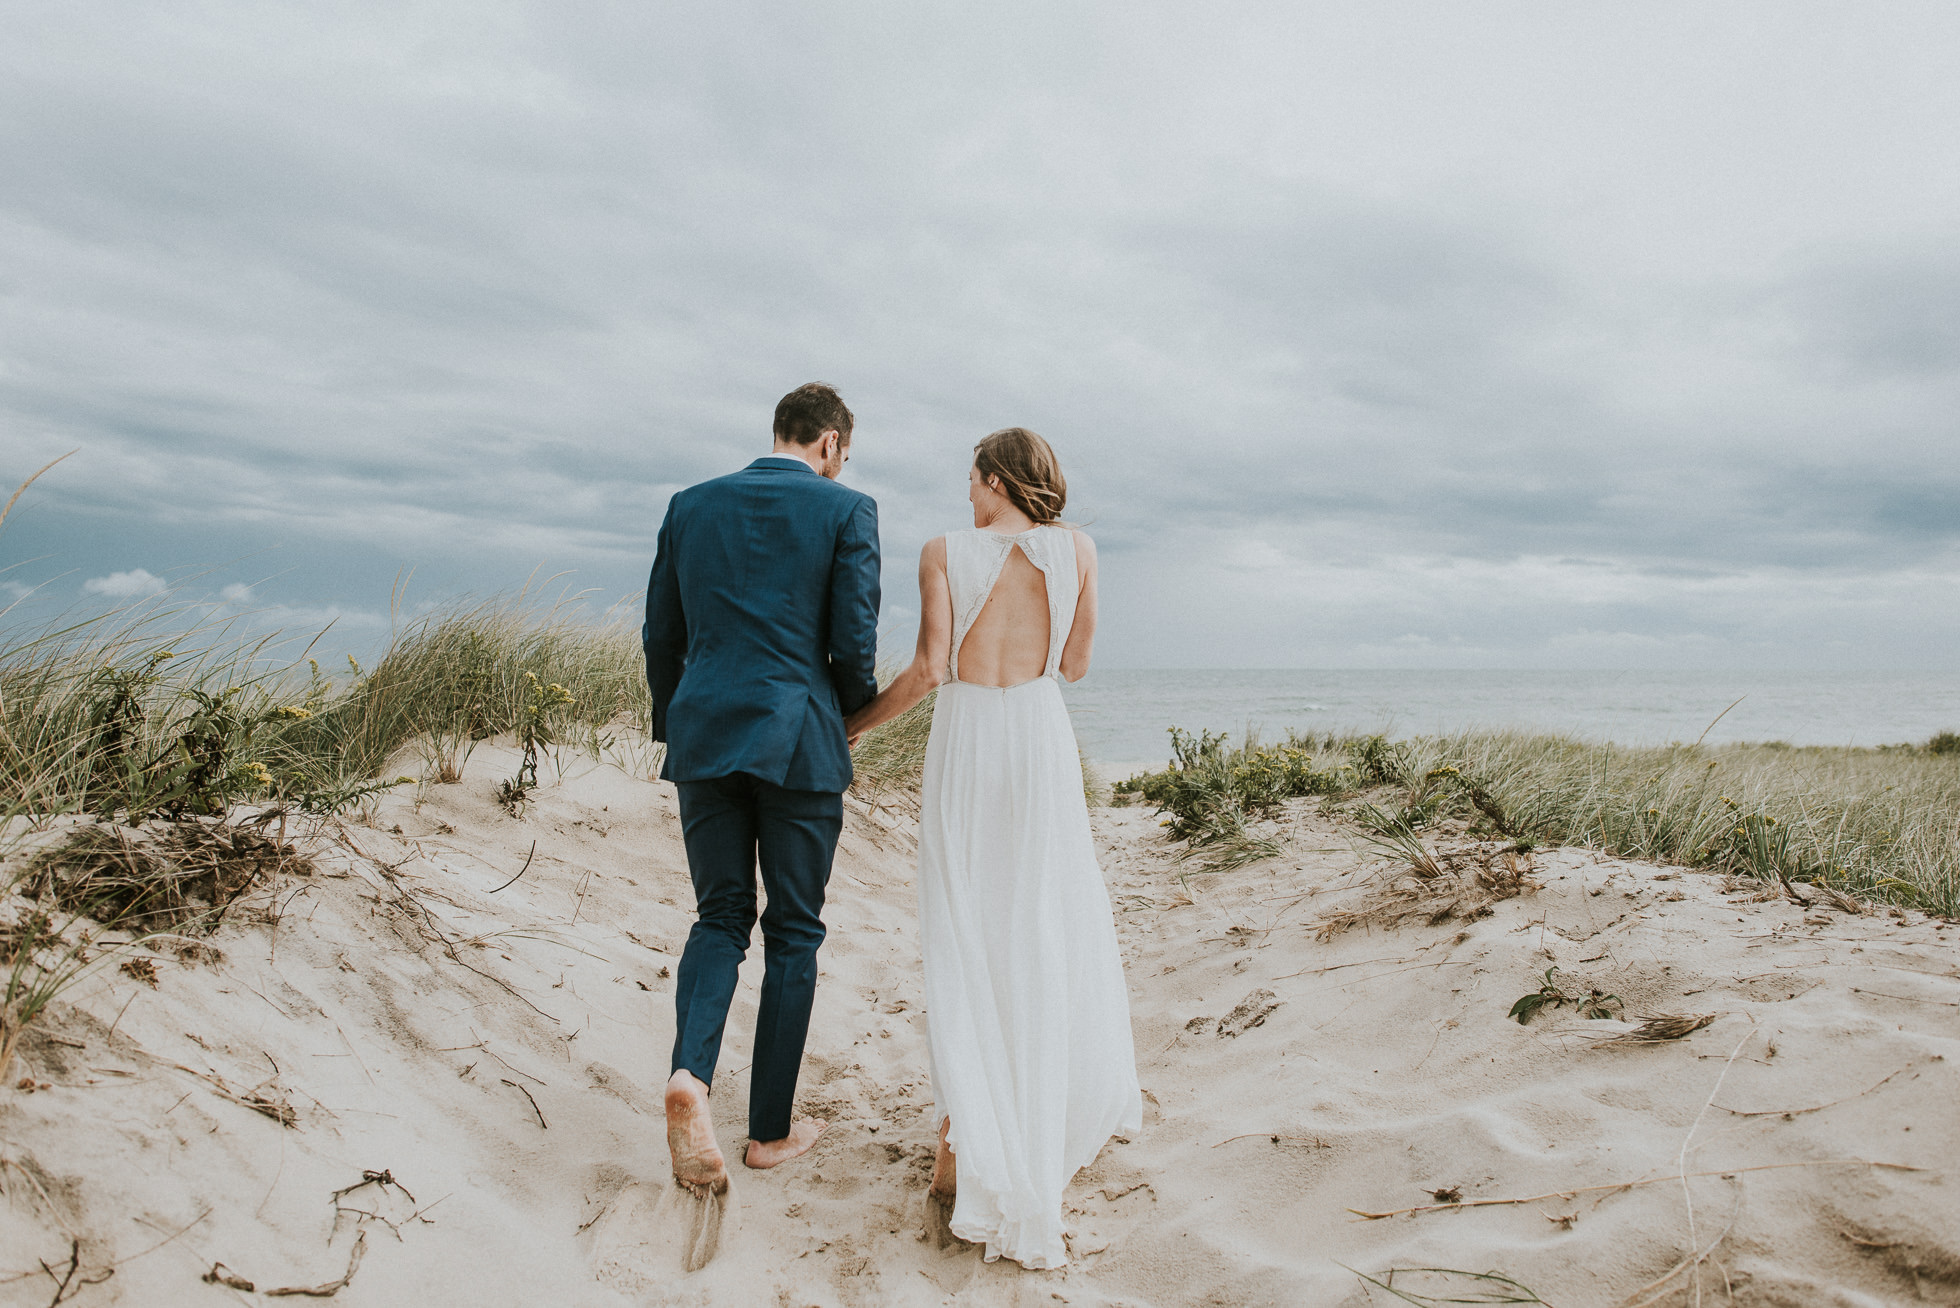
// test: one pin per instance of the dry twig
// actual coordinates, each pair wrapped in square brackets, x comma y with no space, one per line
[331,1288]
[542,1124]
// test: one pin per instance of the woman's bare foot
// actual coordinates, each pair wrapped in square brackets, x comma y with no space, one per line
[940,1195]
[767,1153]
[698,1164]
[945,1167]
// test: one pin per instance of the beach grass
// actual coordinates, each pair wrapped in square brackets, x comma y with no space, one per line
[1879,824]
[152,709]
[157,710]
[157,714]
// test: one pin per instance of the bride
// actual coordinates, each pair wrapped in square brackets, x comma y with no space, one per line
[1026,1011]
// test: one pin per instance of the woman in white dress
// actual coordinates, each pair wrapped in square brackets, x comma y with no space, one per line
[1026,1010]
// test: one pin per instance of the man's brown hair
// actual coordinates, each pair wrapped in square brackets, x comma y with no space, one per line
[809,411]
[1030,474]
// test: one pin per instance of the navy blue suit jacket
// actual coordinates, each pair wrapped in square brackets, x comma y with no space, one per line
[762,626]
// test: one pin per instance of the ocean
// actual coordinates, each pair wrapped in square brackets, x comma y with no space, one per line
[1121,716]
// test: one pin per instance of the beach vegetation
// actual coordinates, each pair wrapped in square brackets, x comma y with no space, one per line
[1846,824]
[543,701]
[1594,1004]
[158,711]
[1212,787]
[889,763]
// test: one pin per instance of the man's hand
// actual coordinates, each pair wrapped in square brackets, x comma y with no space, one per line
[852,741]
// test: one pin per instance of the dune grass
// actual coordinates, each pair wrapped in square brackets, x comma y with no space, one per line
[138,712]
[155,711]
[1880,824]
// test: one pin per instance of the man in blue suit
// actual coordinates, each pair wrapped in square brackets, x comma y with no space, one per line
[761,634]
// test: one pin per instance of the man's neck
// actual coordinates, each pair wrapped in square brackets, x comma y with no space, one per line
[804,454]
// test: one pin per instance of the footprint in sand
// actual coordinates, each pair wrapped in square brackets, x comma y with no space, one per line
[639,1243]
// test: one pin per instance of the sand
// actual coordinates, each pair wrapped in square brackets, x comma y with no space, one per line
[490,1059]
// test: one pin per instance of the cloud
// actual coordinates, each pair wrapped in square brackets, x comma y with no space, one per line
[1343,327]
[134,584]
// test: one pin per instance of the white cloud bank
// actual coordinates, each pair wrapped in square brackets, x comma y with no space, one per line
[134,584]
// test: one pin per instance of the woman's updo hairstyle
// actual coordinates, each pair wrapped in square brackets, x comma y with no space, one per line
[1030,475]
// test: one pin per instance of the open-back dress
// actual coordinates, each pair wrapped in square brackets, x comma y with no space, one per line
[1026,1009]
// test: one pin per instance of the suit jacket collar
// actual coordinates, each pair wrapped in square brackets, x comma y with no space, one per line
[784,462]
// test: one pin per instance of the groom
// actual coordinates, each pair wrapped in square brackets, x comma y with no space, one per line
[761,633]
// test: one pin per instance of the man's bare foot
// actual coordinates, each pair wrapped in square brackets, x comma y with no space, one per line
[698,1164]
[767,1153]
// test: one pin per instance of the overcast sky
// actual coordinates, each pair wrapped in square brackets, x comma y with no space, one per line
[1370,334]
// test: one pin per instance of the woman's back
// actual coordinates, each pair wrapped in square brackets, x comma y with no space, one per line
[1008,643]
[1013,598]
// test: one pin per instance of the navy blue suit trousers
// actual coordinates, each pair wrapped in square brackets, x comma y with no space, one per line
[732,826]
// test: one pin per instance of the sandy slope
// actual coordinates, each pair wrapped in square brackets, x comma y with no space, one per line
[508,1079]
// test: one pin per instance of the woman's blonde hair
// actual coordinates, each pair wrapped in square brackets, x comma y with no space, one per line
[1029,473]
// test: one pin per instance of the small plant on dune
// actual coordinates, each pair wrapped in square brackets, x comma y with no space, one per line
[1758,846]
[1594,1004]
[468,720]
[1944,742]
[534,731]
[211,764]
[1377,761]
[115,724]
[1478,793]
[1394,836]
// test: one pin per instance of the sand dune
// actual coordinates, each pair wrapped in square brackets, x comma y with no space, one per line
[481,1066]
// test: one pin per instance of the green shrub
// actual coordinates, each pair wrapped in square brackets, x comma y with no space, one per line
[1210,790]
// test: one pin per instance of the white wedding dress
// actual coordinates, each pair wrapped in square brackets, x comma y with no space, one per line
[1026,1009]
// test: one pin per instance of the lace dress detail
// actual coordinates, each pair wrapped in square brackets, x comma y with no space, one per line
[1027,1013]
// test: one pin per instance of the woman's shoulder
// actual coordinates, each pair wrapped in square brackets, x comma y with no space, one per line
[1079,538]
